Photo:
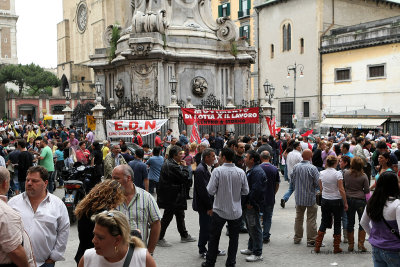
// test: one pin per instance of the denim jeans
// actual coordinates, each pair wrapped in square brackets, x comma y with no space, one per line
[267,221]
[254,227]
[355,206]
[48,265]
[329,207]
[385,258]
[152,186]
[290,191]
[344,219]
[217,223]
[50,185]
[286,175]
[204,232]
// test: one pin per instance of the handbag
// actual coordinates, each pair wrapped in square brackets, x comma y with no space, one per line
[318,198]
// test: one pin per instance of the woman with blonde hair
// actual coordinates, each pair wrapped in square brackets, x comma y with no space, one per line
[333,201]
[356,186]
[104,196]
[113,244]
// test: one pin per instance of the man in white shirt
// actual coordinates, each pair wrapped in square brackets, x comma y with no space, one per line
[293,158]
[45,217]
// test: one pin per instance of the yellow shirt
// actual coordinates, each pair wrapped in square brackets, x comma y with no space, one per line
[31,134]
[105,150]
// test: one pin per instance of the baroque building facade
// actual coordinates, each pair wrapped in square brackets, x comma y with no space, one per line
[291,32]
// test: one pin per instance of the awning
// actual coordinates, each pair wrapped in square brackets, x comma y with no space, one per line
[360,123]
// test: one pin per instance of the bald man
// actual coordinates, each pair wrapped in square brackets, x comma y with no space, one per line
[305,183]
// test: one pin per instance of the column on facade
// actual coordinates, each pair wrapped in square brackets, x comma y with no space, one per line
[98,114]
[230,105]
[173,114]
[266,111]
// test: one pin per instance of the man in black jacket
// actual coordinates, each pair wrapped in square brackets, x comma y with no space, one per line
[172,195]
[202,201]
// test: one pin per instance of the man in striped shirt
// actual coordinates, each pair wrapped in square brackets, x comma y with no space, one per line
[304,180]
[140,207]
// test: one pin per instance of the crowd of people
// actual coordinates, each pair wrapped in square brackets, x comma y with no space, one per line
[234,181]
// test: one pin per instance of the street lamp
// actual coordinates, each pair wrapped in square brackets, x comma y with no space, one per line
[269,90]
[98,87]
[173,82]
[67,93]
[295,68]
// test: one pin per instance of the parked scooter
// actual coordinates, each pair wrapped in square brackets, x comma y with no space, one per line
[76,181]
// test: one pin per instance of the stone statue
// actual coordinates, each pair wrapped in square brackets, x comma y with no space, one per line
[199,86]
[140,6]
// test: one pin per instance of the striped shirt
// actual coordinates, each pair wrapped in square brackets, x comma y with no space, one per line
[305,183]
[141,212]
[228,183]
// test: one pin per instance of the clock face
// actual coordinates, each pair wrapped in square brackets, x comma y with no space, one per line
[81,17]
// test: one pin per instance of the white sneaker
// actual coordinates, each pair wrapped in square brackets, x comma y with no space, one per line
[254,258]
[163,243]
[246,251]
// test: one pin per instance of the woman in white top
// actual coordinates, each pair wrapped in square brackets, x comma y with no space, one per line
[113,244]
[333,201]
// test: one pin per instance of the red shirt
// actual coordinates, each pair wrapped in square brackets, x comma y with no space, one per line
[157,141]
[139,140]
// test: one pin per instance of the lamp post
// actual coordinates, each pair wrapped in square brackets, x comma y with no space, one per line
[173,107]
[295,68]
[267,109]
[269,90]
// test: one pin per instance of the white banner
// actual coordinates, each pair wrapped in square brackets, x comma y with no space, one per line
[124,128]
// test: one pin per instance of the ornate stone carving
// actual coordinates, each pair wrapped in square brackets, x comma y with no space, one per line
[227,30]
[199,86]
[149,22]
[224,27]
[119,89]
[141,49]
[145,80]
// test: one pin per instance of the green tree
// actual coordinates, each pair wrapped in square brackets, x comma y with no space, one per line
[31,78]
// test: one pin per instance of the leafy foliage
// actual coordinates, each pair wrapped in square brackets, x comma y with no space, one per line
[31,79]
[116,34]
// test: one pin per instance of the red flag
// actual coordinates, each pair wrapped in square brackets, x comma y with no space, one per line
[273,127]
[308,133]
[269,123]
[195,137]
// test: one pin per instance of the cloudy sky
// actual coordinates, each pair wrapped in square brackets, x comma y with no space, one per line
[37,31]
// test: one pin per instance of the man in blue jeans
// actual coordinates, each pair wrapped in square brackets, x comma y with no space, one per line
[293,158]
[256,179]
[270,189]
[227,184]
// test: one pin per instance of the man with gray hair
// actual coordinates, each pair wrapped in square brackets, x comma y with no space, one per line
[200,149]
[137,199]
[113,160]
[15,246]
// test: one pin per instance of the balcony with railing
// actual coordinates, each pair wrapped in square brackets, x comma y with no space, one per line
[243,13]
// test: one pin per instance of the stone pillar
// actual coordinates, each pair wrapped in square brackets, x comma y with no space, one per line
[266,111]
[67,114]
[230,105]
[98,114]
[189,127]
[173,114]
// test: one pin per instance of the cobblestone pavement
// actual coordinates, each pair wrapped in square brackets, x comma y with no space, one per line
[279,252]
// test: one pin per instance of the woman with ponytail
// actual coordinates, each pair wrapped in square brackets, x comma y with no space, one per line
[381,220]
[114,245]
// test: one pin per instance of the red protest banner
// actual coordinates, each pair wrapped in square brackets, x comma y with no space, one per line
[219,117]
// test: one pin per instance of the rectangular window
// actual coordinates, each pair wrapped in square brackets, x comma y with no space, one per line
[342,75]
[306,109]
[272,51]
[301,46]
[224,10]
[244,8]
[376,71]
[244,32]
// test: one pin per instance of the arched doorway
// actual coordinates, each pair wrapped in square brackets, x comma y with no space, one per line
[27,112]
[64,84]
